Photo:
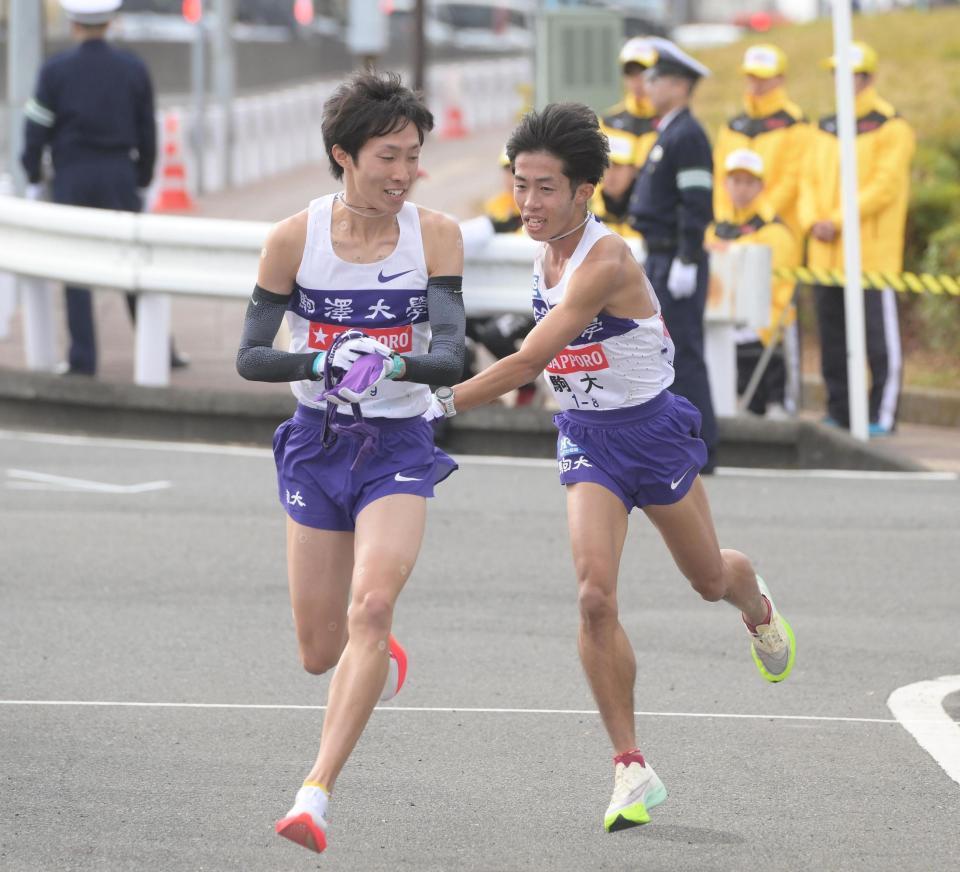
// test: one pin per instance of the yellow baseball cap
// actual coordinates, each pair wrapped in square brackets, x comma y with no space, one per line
[764,61]
[622,146]
[863,59]
[638,50]
[746,160]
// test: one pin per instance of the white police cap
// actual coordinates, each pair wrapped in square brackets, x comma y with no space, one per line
[673,60]
[90,11]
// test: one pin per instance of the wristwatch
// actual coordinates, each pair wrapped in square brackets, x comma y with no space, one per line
[444,396]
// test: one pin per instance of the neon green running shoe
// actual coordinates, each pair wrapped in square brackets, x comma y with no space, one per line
[636,789]
[774,647]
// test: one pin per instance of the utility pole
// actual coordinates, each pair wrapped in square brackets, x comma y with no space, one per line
[224,75]
[24,58]
[193,13]
[366,31]
[852,267]
[419,46]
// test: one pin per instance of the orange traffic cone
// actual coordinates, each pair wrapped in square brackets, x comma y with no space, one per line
[453,126]
[173,195]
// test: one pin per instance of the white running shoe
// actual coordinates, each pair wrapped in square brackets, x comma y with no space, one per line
[636,789]
[774,646]
[306,822]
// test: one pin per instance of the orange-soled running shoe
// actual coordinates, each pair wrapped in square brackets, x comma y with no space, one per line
[306,822]
[397,671]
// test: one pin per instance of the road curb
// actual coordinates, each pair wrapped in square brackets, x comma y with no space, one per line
[82,405]
[938,408]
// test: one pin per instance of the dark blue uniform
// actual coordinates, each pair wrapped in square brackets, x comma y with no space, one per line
[672,205]
[94,109]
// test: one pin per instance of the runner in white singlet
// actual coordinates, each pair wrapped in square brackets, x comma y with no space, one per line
[624,439]
[354,475]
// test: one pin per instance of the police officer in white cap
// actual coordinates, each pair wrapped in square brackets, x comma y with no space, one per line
[93,109]
[90,12]
[672,205]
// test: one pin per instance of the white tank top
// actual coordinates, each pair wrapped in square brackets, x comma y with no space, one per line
[386,300]
[615,362]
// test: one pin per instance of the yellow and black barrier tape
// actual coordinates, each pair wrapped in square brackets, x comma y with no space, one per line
[904,282]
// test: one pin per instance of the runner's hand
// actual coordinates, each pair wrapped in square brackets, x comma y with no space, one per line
[434,410]
[367,372]
[348,353]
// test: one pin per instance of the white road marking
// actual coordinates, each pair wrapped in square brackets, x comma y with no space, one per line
[465,459]
[919,707]
[846,474]
[30,478]
[141,444]
[433,710]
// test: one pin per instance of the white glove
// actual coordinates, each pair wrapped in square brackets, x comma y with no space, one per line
[441,404]
[35,191]
[346,355]
[682,280]
[434,410]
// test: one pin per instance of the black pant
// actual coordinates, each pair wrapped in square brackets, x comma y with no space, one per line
[684,320]
[883,353]
[772,385]
[107,182]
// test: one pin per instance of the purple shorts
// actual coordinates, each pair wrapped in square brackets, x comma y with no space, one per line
[648,455]
[318,489]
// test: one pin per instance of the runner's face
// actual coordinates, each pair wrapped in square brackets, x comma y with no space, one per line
[384,171]
[547,204]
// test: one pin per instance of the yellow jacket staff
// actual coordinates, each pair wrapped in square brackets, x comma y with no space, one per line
[636,119]
[885,146]
[771,125]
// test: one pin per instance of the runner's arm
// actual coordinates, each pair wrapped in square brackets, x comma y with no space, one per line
[443,248]
[257,359]
[588,292]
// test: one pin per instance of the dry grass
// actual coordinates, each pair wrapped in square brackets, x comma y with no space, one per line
[919,69]
[919,73]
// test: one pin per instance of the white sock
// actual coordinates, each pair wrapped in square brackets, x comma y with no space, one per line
[312,799]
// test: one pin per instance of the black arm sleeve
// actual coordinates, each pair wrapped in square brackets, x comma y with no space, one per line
[257,359]
[443,363]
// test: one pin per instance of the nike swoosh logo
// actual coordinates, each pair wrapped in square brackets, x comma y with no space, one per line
[255,302]
[382,278]
[675,484]
[400,477]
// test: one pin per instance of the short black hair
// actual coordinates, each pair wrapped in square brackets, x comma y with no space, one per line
[570,132]
[368,105]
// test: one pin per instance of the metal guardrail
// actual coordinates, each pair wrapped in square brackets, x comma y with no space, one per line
[157,256]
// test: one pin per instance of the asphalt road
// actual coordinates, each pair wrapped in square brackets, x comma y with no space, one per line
[116,588]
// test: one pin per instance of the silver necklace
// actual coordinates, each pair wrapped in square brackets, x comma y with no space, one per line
[575,229]
[358,210]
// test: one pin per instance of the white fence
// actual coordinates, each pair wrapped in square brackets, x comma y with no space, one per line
[160,255]
[280,130]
